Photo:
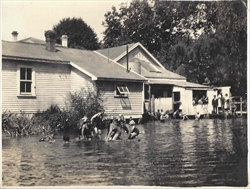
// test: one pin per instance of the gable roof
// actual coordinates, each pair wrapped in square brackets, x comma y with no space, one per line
[32,40]
[89,62]
[114,52]
[150,70]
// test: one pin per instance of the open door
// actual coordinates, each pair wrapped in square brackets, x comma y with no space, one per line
[176,100]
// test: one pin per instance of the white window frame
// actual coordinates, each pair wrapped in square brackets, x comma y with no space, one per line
[122,89]
[32,81]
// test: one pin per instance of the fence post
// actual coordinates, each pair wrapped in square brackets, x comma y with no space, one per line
[240,105]
[153,103]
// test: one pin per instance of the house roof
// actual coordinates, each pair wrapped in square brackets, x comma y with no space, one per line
[89,62]
[180,83]
[114,52]
[150,70]
[32,40]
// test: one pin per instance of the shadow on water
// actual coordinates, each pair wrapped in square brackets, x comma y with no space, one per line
[208,152]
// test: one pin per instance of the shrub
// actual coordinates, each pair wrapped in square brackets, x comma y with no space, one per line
[78,104]
[83,103]
[16,124]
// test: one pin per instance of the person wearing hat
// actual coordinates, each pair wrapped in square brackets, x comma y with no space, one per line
[84,128]
[133,131]
[122,123]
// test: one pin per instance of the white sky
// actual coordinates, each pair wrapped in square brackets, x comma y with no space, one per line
[32,18]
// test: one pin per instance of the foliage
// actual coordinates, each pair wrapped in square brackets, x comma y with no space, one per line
[202,39]
[80,104]
[80,35]
[16,124]
[83,103]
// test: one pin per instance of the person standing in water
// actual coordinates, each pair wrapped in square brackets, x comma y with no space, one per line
[96,122]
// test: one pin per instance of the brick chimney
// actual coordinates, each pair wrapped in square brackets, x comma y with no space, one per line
[14,35]
[50,40]
[64,39]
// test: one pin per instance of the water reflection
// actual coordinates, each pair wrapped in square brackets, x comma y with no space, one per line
[176,153]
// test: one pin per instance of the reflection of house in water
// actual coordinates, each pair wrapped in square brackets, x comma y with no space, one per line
[163,88]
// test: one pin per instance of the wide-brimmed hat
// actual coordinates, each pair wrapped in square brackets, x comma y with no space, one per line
[84,118]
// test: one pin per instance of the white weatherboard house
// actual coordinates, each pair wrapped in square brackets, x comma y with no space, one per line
[36,75]
[163,88]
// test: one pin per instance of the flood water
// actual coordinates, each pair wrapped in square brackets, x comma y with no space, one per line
[208,152]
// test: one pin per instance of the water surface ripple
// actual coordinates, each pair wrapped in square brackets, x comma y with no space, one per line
[209,152]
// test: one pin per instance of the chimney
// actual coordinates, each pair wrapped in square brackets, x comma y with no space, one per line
[64,39]
[50,40]
[14,35]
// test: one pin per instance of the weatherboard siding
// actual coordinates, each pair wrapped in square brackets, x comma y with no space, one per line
[115,105]
[80,81]
[52,83]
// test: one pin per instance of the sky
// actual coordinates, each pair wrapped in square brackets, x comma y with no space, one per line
[32,18]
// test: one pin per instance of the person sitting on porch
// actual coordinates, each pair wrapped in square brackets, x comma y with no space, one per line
[162,115]
[183,116]
[180,107]
[158,114]
[197,116]
[195,100]
[171,114]
[133,131]
[200,101]
[176,114]
[204,99]
[96,121]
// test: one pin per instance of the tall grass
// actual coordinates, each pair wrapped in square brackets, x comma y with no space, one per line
[78,104]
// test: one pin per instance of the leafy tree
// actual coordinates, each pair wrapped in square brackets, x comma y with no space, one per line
[80,35]
[197,39]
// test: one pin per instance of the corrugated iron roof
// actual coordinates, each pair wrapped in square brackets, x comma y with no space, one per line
[114,52]
[149,71]
[90,61]
[180,83]
[32,40]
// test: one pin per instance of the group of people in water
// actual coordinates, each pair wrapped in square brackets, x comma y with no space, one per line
[93,127]
[170,114]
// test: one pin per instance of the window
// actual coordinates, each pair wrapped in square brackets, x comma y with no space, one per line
[26,81]
[200,97]
[121,90]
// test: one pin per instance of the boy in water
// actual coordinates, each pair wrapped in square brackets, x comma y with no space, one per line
[197,116]
[114,130]
[96,122]
[134,132]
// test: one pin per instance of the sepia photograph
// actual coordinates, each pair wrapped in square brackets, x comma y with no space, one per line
[128,93]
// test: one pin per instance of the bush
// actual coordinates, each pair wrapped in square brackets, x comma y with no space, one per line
[83,103]
[78,104]
[16,124]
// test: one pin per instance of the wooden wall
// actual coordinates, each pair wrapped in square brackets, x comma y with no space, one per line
[132,105]
[52,84]
[80,80]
